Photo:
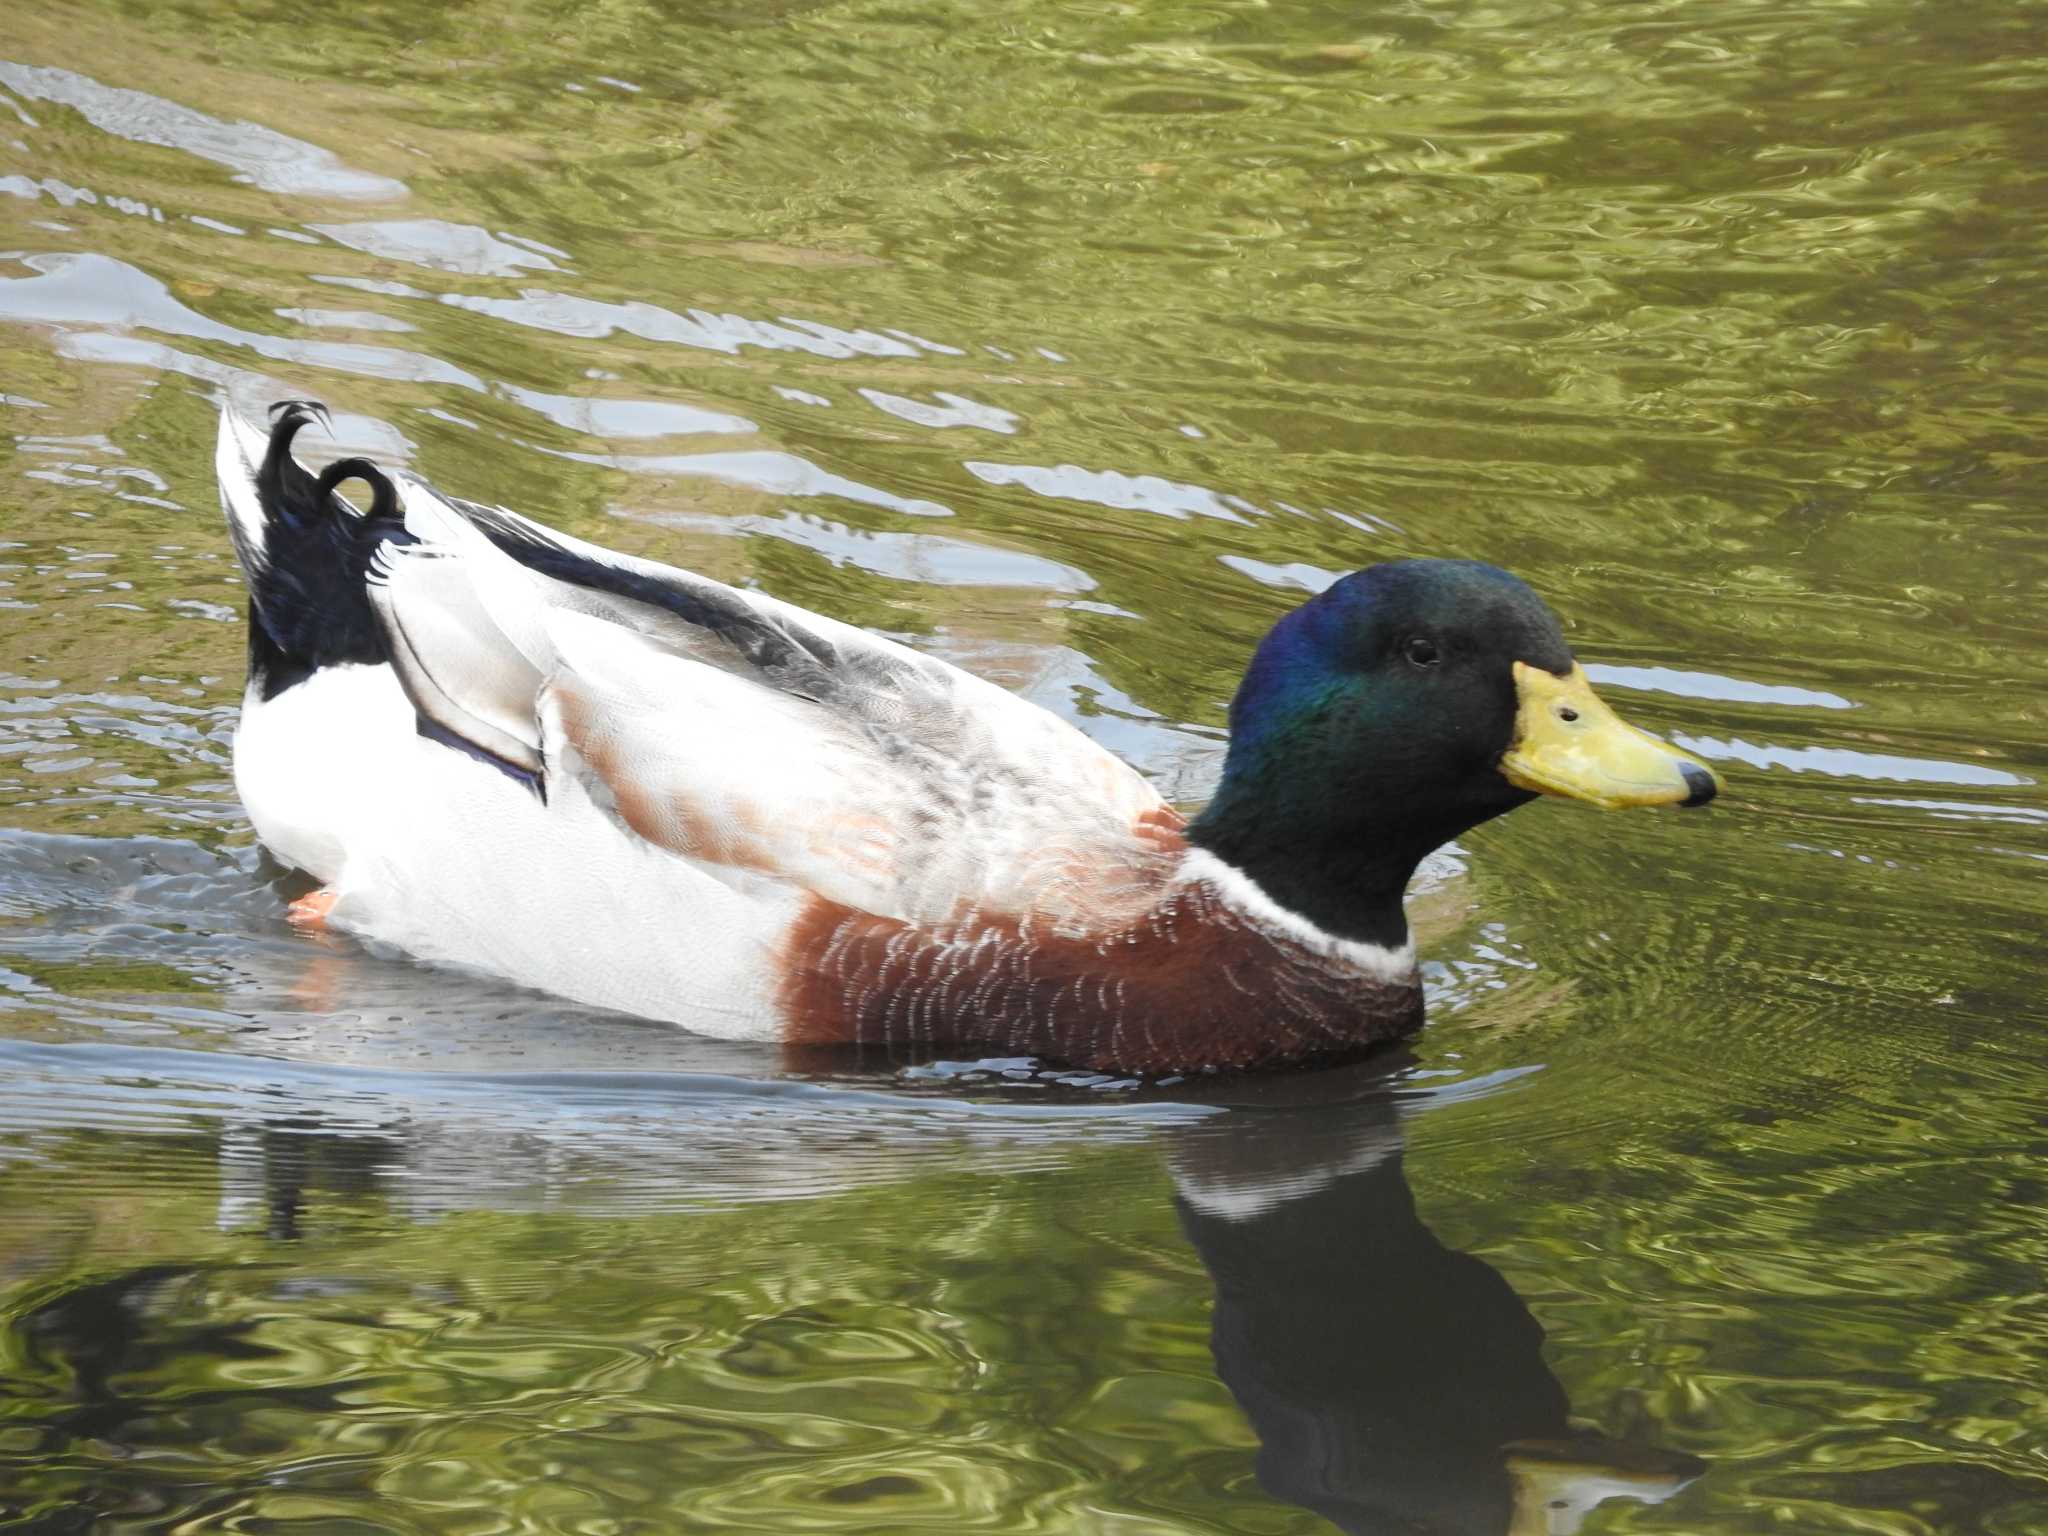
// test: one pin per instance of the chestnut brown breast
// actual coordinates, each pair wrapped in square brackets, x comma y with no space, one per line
[1190,984]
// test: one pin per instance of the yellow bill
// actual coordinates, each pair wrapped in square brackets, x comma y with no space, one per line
[1568,742]
[1559,1482]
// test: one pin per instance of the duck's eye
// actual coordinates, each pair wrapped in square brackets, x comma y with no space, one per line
[1422,652]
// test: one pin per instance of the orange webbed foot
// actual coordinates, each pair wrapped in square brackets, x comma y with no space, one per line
[309,912]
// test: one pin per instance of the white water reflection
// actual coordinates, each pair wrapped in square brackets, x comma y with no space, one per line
[86,289]
[140,352]
[385,286]
[346,432]
[1296,575]
[921,557]
[1112,488]
[444,247]
[1961,810]
[1712,685]
[779,474]
[271,160]
[951,411]
[345,320]
[1847,763]
[565,314]
[76,462]
[540,1140]
[67,196]
[597,417]
[923,341]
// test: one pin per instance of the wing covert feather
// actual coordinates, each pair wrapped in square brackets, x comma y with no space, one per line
[737,730]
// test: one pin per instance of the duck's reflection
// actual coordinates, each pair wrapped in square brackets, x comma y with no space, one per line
[1395,1384]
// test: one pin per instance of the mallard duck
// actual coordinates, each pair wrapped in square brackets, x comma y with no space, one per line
[498,746]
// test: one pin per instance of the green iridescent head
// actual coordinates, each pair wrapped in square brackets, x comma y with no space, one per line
[1409,702]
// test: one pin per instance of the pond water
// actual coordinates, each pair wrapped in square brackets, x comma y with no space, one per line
[1072,342]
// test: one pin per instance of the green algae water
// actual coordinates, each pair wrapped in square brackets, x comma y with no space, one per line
[1074,343]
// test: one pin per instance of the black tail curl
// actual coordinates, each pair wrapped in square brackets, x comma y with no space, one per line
[308,606]
[383,494]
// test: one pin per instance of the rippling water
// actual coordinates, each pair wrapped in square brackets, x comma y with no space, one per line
[1072,342]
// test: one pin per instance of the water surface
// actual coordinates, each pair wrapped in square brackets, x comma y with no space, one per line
[1074,343]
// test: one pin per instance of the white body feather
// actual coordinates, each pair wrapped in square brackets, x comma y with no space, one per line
[428,850]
